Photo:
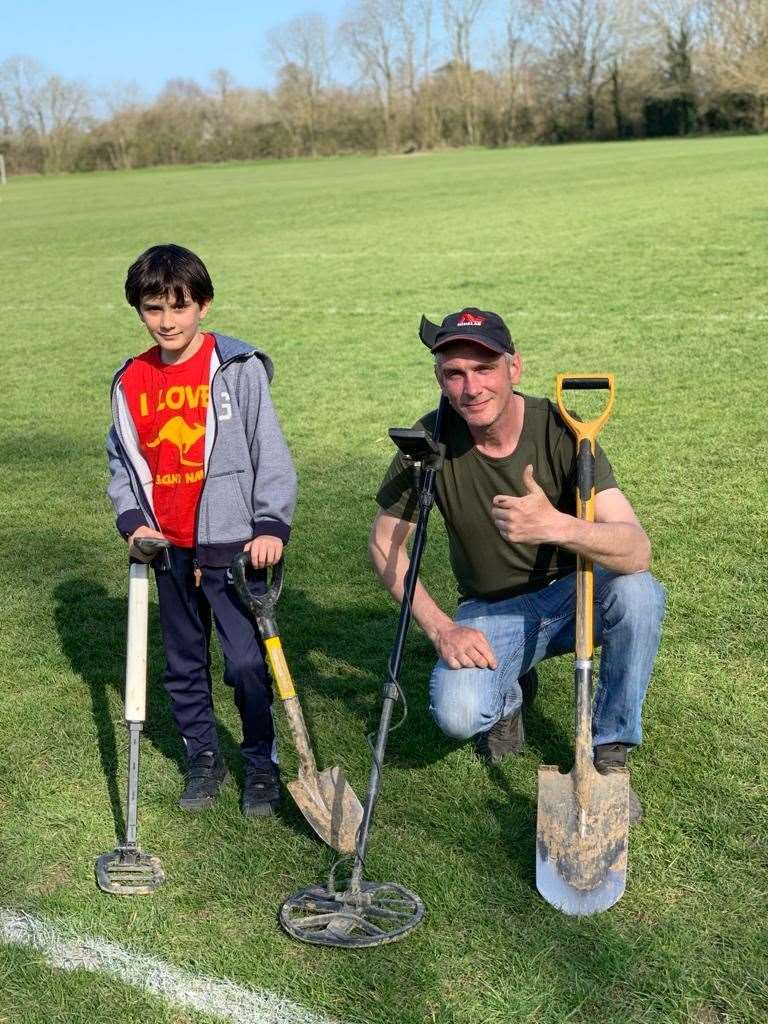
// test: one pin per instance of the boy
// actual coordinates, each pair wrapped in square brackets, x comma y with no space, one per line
[196,455]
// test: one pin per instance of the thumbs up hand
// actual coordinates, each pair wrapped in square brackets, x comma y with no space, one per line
[531,519]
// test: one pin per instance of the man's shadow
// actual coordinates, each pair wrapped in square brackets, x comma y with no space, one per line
[309,630]
[92,628]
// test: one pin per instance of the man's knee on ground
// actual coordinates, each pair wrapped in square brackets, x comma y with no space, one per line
[458,713]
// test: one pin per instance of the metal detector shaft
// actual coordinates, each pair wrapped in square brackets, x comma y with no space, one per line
[426,489]
[127,871]
[132,800]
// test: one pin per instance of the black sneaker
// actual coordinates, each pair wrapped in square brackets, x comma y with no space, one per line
[261,792]
[504,739]
[608,758]
[206,774]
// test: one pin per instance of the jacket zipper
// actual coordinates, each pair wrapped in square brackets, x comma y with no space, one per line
[198,573]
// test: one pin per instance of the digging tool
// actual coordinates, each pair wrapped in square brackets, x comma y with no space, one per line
[372,913]
[127,871]
[325,798]
[583,817]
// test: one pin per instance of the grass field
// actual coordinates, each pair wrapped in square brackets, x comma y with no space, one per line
[647,259]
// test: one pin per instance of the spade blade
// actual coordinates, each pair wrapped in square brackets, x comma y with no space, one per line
[581,839]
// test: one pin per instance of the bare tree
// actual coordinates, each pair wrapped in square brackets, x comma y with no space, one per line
[514,49]
[371,33]
[459,17]
[734,49]
[580,38]
[125,104]
[47,106]
[301,50]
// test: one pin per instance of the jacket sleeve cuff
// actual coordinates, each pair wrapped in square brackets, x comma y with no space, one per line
[128,522]
[272,528]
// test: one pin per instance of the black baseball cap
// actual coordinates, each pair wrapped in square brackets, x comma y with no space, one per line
[469,324]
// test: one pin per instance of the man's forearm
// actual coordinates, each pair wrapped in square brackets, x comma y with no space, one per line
[622,547]
[391,571]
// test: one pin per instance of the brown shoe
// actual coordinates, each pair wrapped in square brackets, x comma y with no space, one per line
[611,757]
[504,739]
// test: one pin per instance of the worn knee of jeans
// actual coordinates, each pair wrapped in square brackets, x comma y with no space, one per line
[637,599]
[457,709]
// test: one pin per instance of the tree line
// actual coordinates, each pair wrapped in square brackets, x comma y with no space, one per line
[399,76]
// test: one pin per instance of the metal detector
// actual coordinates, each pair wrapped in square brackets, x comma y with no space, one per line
[126,871]
[372,913]
[583,817]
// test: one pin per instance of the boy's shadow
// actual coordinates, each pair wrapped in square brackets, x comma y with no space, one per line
[92,628]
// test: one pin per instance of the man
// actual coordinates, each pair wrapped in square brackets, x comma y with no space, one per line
[507,495]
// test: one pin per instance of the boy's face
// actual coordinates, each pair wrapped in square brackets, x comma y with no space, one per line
[174,326]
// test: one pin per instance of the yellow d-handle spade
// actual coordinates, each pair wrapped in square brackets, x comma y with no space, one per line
[585,434]
[325,798]
[583,817]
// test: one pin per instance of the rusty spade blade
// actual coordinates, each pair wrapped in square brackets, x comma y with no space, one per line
[329,804]
[325,798]
[581,839]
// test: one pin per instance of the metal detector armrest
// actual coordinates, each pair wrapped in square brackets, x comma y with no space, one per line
[418,445]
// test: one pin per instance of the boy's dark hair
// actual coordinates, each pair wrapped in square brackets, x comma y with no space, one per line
[168,270]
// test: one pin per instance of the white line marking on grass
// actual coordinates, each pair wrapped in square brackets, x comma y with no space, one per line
[216,997]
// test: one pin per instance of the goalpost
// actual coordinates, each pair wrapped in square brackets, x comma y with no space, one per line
[3,179]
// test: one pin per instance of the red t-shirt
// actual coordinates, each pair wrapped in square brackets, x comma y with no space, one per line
[168,404]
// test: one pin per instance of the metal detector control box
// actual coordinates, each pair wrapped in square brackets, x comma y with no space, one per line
[418,445]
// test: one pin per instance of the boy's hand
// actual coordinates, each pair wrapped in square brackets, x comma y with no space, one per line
[264,551]
[142,531]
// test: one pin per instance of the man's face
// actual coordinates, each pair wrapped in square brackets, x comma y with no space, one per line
[478,382]
[174,326]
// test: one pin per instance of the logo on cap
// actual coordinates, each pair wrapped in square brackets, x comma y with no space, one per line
[470,320]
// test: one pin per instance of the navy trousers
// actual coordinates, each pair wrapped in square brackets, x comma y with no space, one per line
[185,618]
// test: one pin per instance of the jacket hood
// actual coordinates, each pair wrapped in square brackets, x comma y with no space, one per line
[231,348]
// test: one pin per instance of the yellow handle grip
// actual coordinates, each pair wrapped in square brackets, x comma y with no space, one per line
[278,667]
[588,429]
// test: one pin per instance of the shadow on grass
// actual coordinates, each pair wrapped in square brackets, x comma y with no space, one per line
[356,643]
[91,625]
[358,640]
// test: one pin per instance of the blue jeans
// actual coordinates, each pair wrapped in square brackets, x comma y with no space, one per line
[522,631]
[185,618]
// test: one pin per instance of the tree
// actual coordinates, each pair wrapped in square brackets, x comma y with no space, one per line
[580,36]
[734,53]
[459,17]
[301,50]
[48,108]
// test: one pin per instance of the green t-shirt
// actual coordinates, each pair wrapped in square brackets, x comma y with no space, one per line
[485,565]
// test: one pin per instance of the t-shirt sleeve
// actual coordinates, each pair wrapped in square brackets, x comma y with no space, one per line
[604,478]
[397,495]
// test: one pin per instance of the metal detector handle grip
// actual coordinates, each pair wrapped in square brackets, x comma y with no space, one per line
[262,608]
[151,545]
[136,643]
[585,434]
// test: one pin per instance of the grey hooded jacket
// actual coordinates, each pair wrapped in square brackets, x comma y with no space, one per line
[249,488]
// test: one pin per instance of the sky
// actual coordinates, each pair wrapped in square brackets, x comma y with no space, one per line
[102,43]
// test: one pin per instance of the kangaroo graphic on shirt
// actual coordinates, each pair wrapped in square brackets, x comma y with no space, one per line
[179,433]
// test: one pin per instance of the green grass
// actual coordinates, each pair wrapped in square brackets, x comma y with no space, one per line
[646,259]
